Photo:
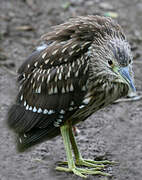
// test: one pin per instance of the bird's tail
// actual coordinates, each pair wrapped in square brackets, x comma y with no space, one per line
[28,131]
[33,137]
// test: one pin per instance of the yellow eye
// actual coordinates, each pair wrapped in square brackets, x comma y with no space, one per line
[110,62]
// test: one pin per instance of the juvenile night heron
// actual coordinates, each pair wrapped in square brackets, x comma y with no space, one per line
[80,67]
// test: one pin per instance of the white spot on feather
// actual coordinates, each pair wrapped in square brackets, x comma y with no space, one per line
[71,87]
[20,87]
[72,103]
[48,78]
[70,108]
[42,79]
[38,78]
[47,60]
[77,50]
[35,74]
[64,49]
[54,52]
[82,106]
[60,59]
[44,71]
[51,91]
[55,89]
[86,100]
[58,70]
[83,88]
[20,140]
[21,98]
[25,103]
[35,64]
[30,108]
[61,68]
[56,124]
[70,68]
[48,71]
[58,32]
[61,116]
[71,53]
[43,56]
[73,46]
[56,78]
[62,111]
[34,109]
[41,70]
[39,110]
[45,111]
[59,120]
[28,76]
[24,75]
[86,43]
[27,107]
[76,74]
[63,90]
[67,88]
[86,68]
[51,111]
[73,64]
[68,75]
[78,62]
[38,90]
[24,135]
[60,76]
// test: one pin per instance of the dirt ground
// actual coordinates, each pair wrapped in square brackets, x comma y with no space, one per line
[114,133]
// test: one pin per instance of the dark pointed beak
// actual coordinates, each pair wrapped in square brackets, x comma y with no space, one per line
[124,71]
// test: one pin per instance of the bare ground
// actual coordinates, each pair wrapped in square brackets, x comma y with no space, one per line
[114,133]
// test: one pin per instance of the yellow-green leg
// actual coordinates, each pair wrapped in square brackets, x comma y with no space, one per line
[67,134]
[84,162]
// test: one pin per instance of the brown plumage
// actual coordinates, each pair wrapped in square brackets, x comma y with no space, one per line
[68,77]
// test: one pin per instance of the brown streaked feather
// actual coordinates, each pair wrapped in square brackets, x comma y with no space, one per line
[84,29]
[43,85]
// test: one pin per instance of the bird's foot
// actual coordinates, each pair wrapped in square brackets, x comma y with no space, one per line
[82,172]
[89,163]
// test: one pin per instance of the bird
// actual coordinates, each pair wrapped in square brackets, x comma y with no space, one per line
[78,68]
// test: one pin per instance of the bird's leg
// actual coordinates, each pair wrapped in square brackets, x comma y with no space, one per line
[71,165]
[80,160]
[65,132]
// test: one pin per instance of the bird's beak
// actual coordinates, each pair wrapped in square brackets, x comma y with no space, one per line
[124,72]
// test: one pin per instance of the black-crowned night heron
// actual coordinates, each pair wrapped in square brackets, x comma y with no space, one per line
[80,67]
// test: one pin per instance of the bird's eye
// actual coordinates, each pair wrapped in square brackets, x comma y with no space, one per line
[130,61]
[110,62]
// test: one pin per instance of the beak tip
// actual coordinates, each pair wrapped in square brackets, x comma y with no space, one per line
[131,94]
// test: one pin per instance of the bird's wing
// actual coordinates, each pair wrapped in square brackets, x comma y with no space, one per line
[53,79]
[53,83]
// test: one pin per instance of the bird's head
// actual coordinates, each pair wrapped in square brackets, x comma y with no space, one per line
[114,62]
